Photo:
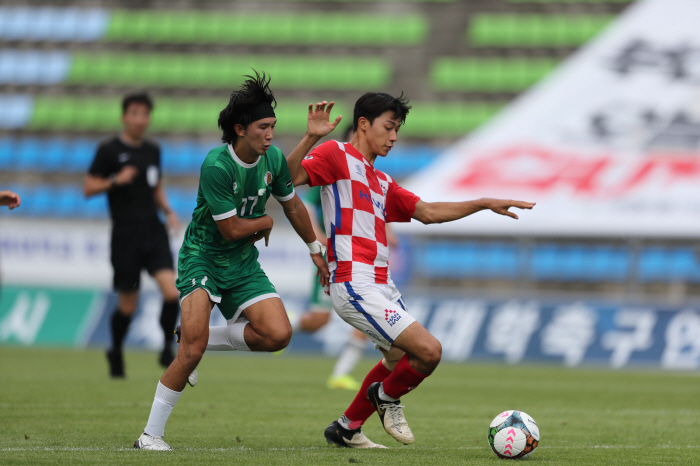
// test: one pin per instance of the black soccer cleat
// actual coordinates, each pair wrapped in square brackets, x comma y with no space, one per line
[339,436]
[391,415]
[116,364]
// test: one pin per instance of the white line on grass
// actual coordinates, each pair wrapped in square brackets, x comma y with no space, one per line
[562,447]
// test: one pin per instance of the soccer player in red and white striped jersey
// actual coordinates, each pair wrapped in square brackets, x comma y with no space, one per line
[358,201]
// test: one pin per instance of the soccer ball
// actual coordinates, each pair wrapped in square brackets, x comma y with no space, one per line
[513,435]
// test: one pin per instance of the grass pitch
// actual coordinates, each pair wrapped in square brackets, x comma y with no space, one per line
[60,407]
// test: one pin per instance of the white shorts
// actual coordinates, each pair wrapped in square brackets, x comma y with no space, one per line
[375,309]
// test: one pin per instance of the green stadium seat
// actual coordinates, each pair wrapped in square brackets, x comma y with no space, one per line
[190,115]
[217,71]
[206,27]
[488,74]
[534,30]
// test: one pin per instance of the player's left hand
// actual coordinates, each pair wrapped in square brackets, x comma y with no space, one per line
[319,123]
[501,206]
[322,273]
[260,235]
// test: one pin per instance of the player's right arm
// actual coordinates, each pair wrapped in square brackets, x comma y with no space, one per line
[318,125]
[440,212]
[216,184]
[235,228]
[103,175]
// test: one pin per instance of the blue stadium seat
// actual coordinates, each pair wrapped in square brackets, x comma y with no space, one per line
[7,153]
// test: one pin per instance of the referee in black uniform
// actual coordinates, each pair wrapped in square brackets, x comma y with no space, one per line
[127,167]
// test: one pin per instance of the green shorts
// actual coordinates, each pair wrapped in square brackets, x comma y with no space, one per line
[233,288]
[319,299]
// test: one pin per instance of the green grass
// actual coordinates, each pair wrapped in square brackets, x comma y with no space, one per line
[59,407]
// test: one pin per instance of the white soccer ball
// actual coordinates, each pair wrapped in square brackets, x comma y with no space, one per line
[513,435]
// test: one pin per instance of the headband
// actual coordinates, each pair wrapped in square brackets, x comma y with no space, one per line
[261,111]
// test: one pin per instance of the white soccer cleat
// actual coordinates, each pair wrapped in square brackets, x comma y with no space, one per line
[193,378]
[148,442]
[390,415]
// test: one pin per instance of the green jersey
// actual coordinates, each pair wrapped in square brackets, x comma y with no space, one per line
[227,187]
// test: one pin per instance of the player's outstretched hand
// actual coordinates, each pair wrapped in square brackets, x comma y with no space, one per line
[319,123]
[260,235]
[501,206]
[10,199]
[322,273]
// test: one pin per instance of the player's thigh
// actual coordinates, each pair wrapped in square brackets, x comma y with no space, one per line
[367,308]
[269,319]
[195,314]
[417,341]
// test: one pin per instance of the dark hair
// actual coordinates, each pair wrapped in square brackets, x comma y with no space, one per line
[253,92]
[373,104]
[137,98]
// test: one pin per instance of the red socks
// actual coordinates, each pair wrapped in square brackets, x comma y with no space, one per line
[403,379]
[360,408]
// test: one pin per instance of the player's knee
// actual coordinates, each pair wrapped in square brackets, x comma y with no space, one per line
[433,354]
[279,339]
[190,354]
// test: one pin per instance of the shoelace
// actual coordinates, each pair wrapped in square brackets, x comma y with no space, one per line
[395,414]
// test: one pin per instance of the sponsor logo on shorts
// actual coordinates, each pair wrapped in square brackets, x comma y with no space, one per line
[372,334]
[391,317]
[308,157]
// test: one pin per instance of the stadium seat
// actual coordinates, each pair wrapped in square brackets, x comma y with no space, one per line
[223,27]
[488,74]
[533,30]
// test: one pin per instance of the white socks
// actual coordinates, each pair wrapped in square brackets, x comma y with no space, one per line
[163,405]
[351,354]
[228,338]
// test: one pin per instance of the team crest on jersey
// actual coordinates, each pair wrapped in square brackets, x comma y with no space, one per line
[391,316]
[268,178]
[235,186]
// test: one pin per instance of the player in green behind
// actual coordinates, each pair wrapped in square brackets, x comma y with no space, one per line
[218,262]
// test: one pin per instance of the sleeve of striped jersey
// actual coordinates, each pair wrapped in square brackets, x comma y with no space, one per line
[400,204]
[217,189]
[322,164]
[282,187]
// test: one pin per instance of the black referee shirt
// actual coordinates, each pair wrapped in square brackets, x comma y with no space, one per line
[130,204]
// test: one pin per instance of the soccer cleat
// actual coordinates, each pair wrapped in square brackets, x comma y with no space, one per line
[349,438]
[194,376]
[116,363]
[166,357]
[148,442]
[391,415]
[344,382]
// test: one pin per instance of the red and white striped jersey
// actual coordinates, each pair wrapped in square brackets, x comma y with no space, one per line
[357,202]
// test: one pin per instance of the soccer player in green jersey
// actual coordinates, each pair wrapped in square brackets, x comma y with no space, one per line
[218,262]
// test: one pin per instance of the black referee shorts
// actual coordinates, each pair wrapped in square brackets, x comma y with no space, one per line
[136,248]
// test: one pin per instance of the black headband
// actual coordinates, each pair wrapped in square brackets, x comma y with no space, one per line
[261,111]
